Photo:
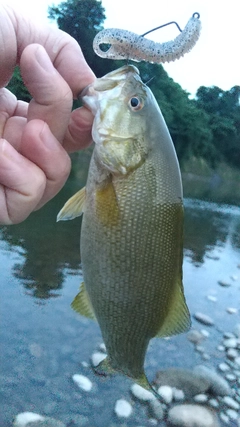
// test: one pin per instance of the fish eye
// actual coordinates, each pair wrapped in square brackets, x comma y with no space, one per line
[135,103]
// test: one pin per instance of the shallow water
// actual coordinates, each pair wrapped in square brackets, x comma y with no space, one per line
[44,342]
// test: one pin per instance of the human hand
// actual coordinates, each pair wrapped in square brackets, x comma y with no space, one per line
[35,137]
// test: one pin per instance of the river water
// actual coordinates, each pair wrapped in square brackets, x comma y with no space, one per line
[44,343]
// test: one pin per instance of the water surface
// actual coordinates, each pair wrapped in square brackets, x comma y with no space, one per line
[44,342]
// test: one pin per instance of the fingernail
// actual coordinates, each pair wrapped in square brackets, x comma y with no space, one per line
[44,60]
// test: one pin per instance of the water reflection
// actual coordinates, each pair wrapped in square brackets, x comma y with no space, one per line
[50,250]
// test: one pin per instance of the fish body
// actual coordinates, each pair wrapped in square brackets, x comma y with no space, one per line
[131,235]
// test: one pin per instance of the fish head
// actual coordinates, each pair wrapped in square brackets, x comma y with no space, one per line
[120,102]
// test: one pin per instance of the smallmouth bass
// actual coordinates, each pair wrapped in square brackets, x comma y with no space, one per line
[131,235]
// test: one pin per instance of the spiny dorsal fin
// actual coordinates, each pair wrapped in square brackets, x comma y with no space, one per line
[81,303]
[73,207]
[178,317]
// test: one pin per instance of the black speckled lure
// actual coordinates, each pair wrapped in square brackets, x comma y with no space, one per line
[123,44]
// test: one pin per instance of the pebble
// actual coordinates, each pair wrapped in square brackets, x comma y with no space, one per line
[231,377]
[102,347]
[195,336]
[237,361]
[184,379]
[229,401]
[223,283]
[223,367]
[232,310]
[234,277]
[21,420]
[237,330]
[31,419]
[218,385]
[178,394]
[204,318]
[141,393]
[224,418]
[189,415]
[214,403]
[166,393]
[212,298]
[230,343]
[97,358]
[156,409]
[232,353]
[233,415]
[220,348]
[201,398]
[83,382]
[205,333]
[123,409]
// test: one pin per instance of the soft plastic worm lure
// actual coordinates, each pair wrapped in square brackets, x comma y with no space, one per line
[124,44]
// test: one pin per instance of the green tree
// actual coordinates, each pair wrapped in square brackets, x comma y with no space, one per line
[223,108]
[17,87]
[83,19]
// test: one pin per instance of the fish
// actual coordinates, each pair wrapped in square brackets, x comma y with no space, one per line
[132,227]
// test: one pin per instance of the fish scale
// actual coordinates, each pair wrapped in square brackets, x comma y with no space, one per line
[131,236]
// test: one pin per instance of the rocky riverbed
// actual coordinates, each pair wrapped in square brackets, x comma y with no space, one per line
[47,349]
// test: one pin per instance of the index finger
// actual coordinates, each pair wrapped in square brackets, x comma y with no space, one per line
[18,31]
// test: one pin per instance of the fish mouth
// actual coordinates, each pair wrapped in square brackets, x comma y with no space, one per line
[109,81]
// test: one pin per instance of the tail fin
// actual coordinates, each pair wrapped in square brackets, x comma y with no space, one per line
[105,368]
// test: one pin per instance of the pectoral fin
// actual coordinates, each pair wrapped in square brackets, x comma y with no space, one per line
[73,207]
[178,317]
[82,305]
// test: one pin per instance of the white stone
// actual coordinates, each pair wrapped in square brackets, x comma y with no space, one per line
[223,367]
[141,393]
[85,364]
[200,398]
[234,277]
[83,382]
[237,330]
[231,377]
[214,403]
[231,403]
[178,394]
[102,347]
[123,409]
[237,361]
[224,417]
[230,343]
[233,415]
[97,358]
[212,298]
[205,333]
[21,420]
[232,353]
[204,318]
[232,310]
[189,415]
[220,348]
[166,393]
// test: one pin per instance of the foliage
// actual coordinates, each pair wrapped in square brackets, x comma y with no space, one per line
[17,87]
[83,19]
[207,127]
[223,109]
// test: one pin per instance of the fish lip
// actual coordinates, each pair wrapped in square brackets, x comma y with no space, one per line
[88,90]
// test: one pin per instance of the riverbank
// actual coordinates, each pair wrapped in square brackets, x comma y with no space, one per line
[219,185]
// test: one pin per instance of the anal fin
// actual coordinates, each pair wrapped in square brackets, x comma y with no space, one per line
[81,303]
